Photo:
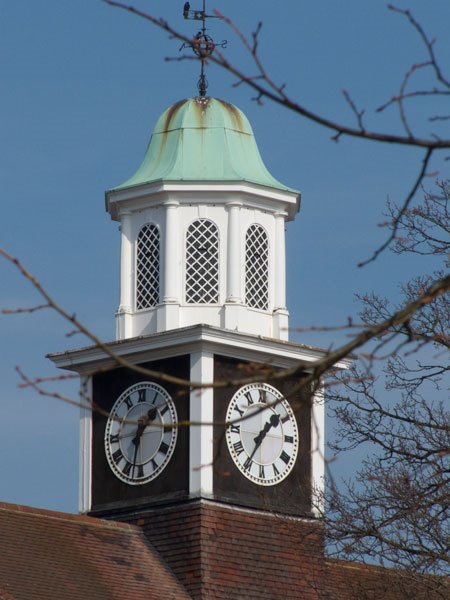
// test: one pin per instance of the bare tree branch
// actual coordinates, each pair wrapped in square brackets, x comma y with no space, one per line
[401,211]
[277,94]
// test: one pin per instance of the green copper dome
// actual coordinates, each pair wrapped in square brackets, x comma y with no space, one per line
[203,139]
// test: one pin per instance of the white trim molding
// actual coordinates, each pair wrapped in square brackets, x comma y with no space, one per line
[177,342]
[85,457]
[318,451]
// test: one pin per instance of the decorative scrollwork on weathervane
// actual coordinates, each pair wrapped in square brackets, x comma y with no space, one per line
[201,44]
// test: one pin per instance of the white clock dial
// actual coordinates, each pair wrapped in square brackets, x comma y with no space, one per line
[141,433]
[262,437]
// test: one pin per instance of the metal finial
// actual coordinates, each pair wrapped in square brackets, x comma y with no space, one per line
[202,84]
[202,44]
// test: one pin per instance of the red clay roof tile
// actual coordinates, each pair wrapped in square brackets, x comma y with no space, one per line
[50,556]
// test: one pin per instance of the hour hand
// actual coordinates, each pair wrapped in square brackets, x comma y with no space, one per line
[142,424]
[272,422]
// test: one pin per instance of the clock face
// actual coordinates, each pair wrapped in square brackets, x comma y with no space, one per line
[262,436]
[141,433]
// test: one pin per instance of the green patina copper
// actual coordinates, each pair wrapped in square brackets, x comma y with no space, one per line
[203,139]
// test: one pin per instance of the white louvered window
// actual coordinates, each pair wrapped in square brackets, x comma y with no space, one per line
[147,267]
[202,263]
[257,267]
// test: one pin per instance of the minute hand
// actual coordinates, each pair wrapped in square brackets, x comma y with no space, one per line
[143,422]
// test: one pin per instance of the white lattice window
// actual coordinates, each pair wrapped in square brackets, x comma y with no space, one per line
[147,267]
[257,267]
[202,263]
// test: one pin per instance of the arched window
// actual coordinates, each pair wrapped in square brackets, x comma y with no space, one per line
[257,267]
[202,262]
[147,267]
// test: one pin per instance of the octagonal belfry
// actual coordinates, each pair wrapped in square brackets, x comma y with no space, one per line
[202,228]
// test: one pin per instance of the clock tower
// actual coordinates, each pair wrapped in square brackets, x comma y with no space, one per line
[221,471]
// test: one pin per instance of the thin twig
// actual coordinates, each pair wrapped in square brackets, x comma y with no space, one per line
[403,208]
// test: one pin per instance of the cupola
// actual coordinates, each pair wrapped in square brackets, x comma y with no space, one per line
[202,228]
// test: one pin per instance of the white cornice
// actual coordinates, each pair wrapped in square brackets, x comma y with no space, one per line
[257,196]
[178,342]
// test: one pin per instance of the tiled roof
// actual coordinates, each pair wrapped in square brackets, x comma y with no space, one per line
[220,553]
[46,555]
[347,580]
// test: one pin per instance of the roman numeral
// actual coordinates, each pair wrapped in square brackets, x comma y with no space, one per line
[127,468]
[117,455]
[262,475]
[249,398]
[289,439]
[248,464]
[262,396]
[237,409]
[235,428]
[129,402]
[142,395]
[275,470]
[164,448]
[114,438]
[140,471]
[284,419]
[154,464]
[285,457]
[238,447]
[164,409]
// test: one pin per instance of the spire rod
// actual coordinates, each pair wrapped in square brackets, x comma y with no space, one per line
[202,44]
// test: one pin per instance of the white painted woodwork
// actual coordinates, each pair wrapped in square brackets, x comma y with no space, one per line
[233,207]
[171,258]
[201,436]
[85,457]
[318,451]
[127,277]
[233,344]
[234,267]
[280,262]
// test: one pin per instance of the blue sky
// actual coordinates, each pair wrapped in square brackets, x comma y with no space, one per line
[82,86]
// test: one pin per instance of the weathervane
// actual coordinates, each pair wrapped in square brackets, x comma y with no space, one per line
[202,44]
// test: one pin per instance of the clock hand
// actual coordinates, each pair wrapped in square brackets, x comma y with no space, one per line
[143,421]
[136,448]
[275,420]
[272,422]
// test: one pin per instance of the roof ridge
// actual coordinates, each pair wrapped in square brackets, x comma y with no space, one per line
[62,516]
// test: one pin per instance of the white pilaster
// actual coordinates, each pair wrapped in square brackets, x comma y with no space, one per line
[201,436]
[234,253]
[168,313]
[280,315]
[171,266]
[85,459]
[233,302]
[318,451]
[280,262]
[127,274]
